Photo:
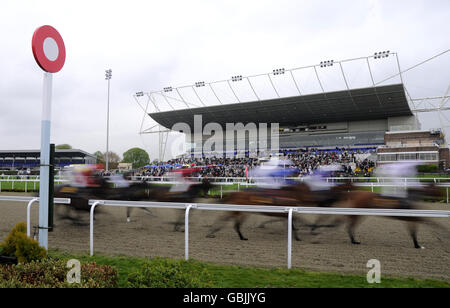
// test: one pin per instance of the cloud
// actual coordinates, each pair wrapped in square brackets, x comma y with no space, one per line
[153,44]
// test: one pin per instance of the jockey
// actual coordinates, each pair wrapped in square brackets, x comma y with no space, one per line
[86,176]
[119,181]
[321,190]
[182,181]
[395,175]
[316,181]
[272,174]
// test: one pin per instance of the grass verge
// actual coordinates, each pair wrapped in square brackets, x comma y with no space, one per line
[224,276]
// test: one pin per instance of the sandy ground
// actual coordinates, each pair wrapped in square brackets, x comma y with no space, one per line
[330,251]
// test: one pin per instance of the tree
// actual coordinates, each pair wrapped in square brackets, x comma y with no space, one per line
[100,157]
[136,156]
[63,146]
[113,162]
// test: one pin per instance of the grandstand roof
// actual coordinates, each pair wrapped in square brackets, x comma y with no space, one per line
[349,105]
[37,153]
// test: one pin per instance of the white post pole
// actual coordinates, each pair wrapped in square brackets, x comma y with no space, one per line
[186,232]
[91,228]
[29,215]
[289,238]
[108,77]
[45,161]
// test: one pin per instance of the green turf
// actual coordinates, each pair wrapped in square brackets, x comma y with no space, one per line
[251,277]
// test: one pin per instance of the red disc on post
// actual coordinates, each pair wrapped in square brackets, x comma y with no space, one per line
[48,49]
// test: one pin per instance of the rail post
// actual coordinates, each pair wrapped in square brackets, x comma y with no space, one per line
[186,232]
[447,194]
[29,215]
[91,231]
[289,239]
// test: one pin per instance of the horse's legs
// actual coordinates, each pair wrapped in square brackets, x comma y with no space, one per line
[295,228]
[129,214]
[412,228]
[179,222]
[318,222]
[352,223]
[66,212]
[263,224]
[220,223]
[237,228]
[149,212]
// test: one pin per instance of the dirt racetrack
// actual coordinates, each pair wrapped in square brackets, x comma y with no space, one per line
[330,251]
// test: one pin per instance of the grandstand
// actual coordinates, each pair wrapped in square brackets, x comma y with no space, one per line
[351,119]
[427,146]
[340,113]
[30,159]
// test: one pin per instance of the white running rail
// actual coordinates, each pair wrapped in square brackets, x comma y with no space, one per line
[31,201]
[257,209]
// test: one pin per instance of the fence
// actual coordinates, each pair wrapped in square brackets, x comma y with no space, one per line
[328,179]
[378,182]
[168,178]
[257,209]
[230,207]
[31,201]
[27,184]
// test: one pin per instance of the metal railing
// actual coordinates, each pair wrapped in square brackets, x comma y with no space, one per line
[300,178]
[230,207]
[257,209]
[31,201]
[381,182]
[27,182]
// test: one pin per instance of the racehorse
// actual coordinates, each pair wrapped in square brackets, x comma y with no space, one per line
[294,195]
[364,199]
[162,193]
[338,196]
[80,196]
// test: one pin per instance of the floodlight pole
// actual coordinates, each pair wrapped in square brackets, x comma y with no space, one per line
[45,160]
[108,77]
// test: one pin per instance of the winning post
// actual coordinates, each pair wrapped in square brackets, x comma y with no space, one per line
[50,54]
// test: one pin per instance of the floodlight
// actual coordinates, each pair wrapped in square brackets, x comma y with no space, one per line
[278,71]
[326,63]
[236,78]
[381,54]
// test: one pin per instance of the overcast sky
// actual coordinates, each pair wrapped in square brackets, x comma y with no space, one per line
[152,44]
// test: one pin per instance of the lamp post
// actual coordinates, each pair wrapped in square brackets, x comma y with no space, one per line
[108,75]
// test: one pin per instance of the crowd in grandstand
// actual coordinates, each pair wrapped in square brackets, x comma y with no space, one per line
[302,162]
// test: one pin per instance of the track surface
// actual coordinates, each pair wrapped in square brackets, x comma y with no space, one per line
[381,238]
